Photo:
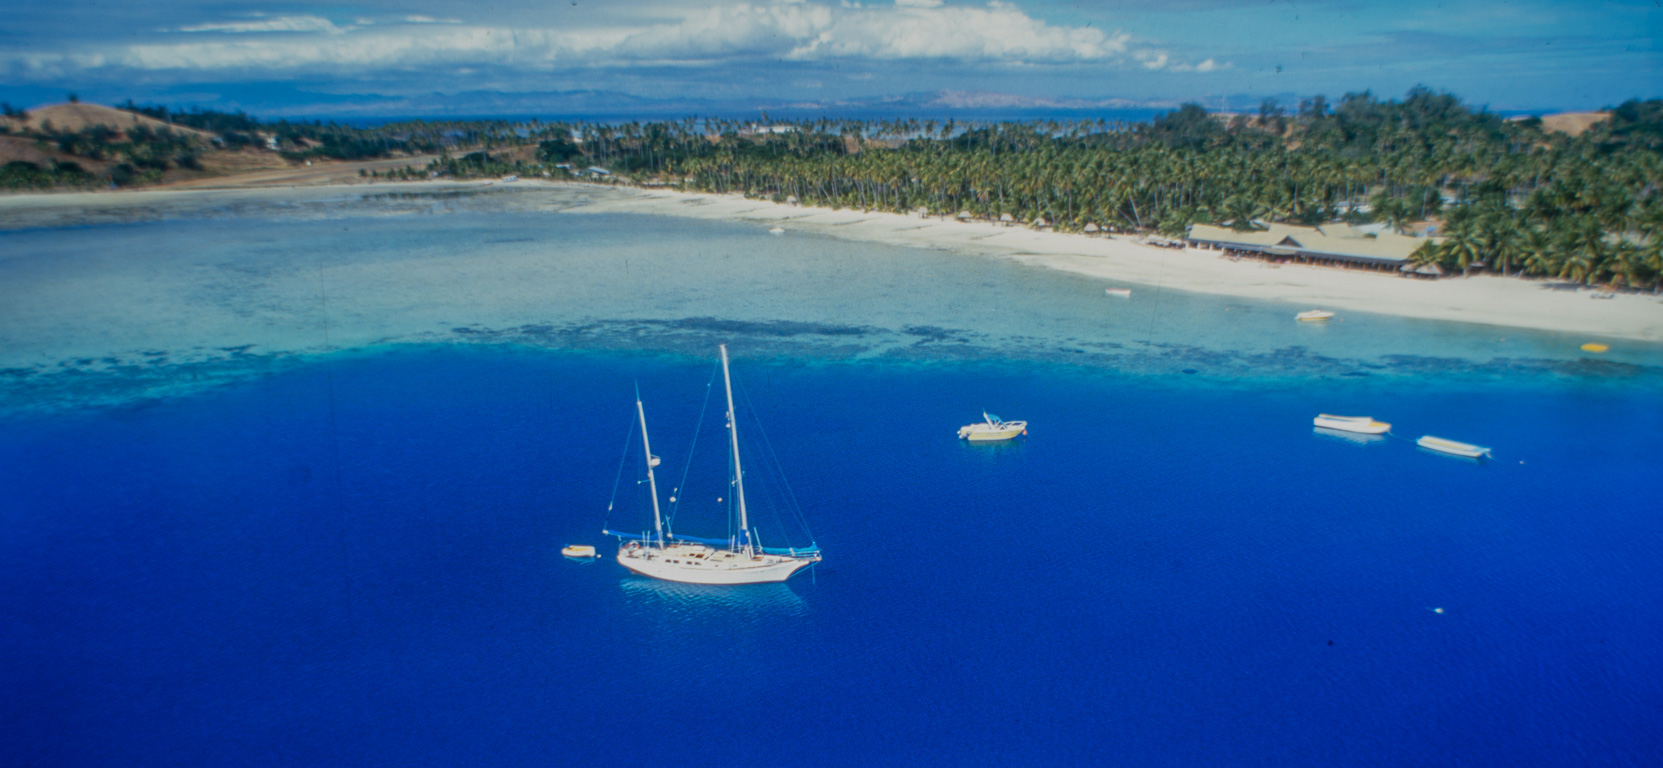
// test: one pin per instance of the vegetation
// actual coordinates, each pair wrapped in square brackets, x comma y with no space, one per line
[1509,197]
[1505,196]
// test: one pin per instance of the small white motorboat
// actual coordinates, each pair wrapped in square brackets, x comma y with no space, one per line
[1452,447]
[993,429]
[1312,315]
[1355,438]
[1124,293]
[1362,424]
[578,551]
[777,231]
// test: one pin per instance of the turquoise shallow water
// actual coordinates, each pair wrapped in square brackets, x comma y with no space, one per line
[127,301]
[309,510]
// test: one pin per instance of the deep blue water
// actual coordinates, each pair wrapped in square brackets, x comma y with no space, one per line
[355,562]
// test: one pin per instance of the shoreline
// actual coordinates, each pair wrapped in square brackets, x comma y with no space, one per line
[1507,302]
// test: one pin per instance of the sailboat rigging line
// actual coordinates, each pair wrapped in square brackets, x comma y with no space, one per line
[776,470]
[616,481]
[681,485]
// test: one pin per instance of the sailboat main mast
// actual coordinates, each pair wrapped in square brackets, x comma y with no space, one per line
[738,472]
[684,560]
[652,484]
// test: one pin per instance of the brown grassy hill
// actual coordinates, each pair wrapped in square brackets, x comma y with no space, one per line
[1573,123]
[74,117]
[15,148]
[20,148]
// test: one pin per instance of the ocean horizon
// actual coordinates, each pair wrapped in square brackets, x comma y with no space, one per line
[288,473]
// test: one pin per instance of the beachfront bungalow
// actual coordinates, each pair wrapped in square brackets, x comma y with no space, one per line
[1331,244]
[763,130]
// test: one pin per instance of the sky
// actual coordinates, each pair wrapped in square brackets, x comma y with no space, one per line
[524,56]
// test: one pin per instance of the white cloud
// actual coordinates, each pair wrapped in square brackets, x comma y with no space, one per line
[998,33]
[1210,65]
[273,24]
[1153,59]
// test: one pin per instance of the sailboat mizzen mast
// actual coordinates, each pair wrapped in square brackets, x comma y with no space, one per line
[738,474]
[652,484]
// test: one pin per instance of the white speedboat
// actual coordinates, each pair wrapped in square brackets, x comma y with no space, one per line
[739,559]
[992,429]
[1312,315]
[1362,424]
[1124,293]
[1452,447]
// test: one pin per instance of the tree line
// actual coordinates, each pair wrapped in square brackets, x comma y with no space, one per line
[1507,196]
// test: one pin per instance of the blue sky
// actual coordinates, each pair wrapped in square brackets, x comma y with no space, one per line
[299,57]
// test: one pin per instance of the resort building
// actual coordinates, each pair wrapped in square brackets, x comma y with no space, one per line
[1331,244]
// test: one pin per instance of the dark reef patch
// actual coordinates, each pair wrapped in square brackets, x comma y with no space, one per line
[767,328]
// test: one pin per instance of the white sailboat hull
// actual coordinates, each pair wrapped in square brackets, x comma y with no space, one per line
[667,565]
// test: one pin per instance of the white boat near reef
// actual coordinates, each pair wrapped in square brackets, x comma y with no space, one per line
[992,429]
[1452,447]
[1313,315]
[1361,424]
[1124,293]
[1355,438]
[739,559]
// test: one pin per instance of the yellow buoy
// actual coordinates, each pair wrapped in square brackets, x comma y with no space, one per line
[578,550]
[1594,347]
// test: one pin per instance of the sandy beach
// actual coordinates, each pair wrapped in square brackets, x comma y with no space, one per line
[1120,262]
[1487,299]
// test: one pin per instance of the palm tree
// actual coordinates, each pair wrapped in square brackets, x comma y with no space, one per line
[1463,246]
[1585,251]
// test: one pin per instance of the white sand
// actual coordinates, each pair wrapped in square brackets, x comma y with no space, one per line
[1491,300]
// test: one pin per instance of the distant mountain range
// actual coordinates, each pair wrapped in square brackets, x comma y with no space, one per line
[614,105]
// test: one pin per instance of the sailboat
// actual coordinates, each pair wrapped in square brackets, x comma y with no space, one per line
[740,559]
